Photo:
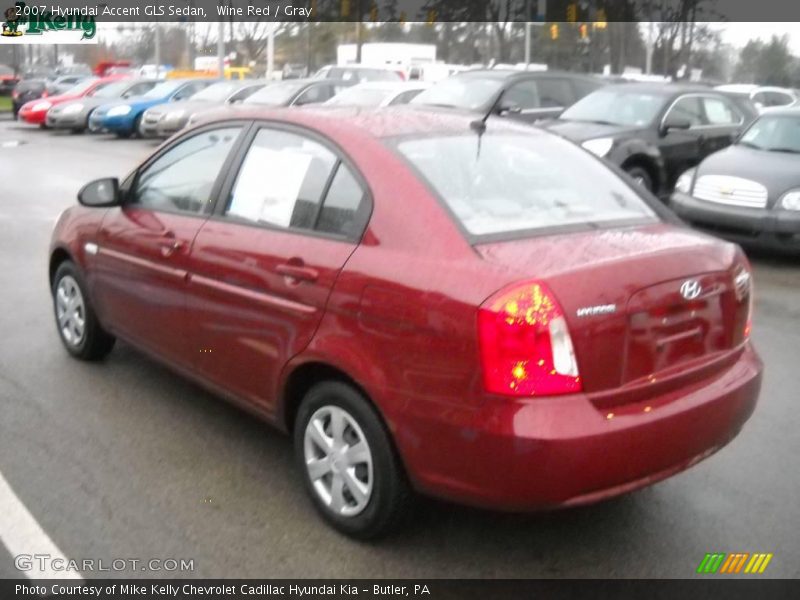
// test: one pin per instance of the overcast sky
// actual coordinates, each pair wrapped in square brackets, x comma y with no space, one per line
[738,34]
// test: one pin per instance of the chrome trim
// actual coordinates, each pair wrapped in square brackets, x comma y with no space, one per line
[702,95]
[731,190]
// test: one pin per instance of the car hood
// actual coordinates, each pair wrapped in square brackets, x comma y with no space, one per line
[137,104]
[777,171]
[580,131]
[86,102]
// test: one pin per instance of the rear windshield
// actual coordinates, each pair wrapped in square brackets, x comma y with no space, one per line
[510,183]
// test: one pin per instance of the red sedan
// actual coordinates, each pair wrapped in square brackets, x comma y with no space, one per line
[481,312]
[35,111]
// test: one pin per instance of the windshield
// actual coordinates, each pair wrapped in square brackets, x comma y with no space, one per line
[775,133]
[217,92]
[111,90]
[360,97]
[616,107]
[462,92]
[278,94]
[163,89]
[511,182]
[80,88]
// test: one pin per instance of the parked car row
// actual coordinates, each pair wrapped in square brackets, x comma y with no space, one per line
[657,133]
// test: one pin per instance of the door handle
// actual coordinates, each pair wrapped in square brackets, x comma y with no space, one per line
[171,248]
[297,272]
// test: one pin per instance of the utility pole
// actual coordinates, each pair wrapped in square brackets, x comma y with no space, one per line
[221,49]
[358,31]
[270,51]
[527,34]
[158,48]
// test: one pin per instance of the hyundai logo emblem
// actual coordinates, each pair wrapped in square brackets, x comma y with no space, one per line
[691,289]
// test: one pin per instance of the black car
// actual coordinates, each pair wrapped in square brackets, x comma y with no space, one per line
[526,95]
[298,92]
[750,191]
[25,91]
[654,132]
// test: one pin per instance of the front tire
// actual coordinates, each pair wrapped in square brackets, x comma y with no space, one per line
[76,321]
[348,463]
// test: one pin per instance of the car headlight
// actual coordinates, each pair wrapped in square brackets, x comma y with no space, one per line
[791,200]
[598,146]
[118,111]
[684,183]
[41,106]
[72,108]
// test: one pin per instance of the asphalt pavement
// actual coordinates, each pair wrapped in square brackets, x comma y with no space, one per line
[126,460]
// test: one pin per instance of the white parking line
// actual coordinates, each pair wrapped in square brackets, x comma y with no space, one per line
[21,534]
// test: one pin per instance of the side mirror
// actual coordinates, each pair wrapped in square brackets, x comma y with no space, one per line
[675,123]
[100,192]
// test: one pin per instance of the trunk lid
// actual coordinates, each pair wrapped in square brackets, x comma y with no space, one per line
[620,290]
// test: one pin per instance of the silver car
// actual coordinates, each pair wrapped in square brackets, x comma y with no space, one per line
[172,117]
[75,114]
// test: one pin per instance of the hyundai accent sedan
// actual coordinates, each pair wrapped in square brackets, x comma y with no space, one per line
[428,303]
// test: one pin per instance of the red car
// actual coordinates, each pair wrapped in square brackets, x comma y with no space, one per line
[35,111]
[481,312]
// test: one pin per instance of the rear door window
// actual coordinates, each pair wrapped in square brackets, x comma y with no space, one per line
[289,181]
[524,94]
[554,93]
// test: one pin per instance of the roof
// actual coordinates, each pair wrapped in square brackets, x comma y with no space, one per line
[782,111]
[518,74]
[662,89]
[375,123]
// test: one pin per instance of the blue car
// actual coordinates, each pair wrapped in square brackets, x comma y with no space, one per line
[124,118]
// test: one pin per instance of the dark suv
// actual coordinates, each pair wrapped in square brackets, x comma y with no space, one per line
[654,132]
[526,95]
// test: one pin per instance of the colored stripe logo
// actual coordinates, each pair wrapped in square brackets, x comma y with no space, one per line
[734,563]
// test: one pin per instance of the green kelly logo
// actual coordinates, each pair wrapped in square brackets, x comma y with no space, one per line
[39,20]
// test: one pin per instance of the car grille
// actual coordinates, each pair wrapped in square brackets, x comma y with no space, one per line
[725,189]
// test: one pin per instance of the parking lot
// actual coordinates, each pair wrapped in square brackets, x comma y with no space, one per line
[125,459]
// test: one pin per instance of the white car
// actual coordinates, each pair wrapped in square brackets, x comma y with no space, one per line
[378,93]
[763,97]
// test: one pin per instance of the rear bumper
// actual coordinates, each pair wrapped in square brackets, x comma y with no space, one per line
[563,451]
[769,228]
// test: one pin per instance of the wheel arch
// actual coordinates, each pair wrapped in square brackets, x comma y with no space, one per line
[643,161]
[58,256]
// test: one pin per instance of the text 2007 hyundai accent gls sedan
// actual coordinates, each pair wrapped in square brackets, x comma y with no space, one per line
[481,312]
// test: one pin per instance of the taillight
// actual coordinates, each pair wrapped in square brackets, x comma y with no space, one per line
[525,346]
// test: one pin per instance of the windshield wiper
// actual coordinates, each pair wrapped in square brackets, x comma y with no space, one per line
[750,145]
[786,150]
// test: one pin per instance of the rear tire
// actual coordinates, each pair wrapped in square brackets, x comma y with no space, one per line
[640,176]
[76,321]
[351,471]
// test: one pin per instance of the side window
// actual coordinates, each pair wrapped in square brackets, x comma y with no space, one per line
[245,93]
[778,99]
[343,210]
[313,95]
[719,112]
[404,97]
[554,93]
[688,109]
[583,88]
[139,89]
[281,180]
[182,178]
[760,98]
[523,94]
